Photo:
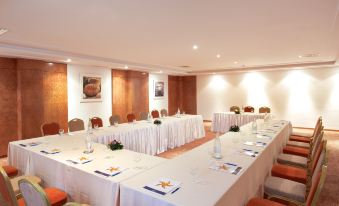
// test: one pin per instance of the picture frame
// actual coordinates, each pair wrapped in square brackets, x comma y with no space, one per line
[158,89]
[91,88]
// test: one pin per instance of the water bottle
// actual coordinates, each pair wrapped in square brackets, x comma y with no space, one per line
[217,147]
[149,117]
[88,143]
[89,126]
[254,126]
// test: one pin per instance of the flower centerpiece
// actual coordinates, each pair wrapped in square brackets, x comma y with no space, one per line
[234,128]
[157,122]
[115,145]
[236,111]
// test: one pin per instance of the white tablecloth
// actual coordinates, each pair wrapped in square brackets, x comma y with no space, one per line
[216,187]
[222,121]
[79,181]
[148,138]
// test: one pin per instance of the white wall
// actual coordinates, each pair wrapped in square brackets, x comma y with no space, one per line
[84,111]
[161,103]
[296,95]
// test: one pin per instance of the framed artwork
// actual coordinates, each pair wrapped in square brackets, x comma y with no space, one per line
[90,85]
[159,89]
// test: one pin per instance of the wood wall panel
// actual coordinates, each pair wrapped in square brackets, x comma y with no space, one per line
[43,90]
[182,94]
[8,103]
[129,92]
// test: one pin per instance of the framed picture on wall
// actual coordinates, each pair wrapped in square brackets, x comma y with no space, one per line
[90,85]
[159,89]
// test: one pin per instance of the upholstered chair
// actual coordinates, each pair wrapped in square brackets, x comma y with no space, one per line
[130,117]
[76,125]
[50,128]
[114,118]
[96,121]
[155,113]
[249,109]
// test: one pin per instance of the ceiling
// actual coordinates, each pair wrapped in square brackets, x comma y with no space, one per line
[159,34]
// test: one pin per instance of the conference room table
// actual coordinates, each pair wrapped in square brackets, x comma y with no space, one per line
[146,137]
[200,183]
[222,121]
[87,178]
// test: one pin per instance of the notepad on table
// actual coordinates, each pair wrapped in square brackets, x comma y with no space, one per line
[51,151]
[110,171]
[163,186]
[227,167]
[257,144]
[80,160]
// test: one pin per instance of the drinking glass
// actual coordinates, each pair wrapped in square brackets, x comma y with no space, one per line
[134,121]
[61,132]
[194,171]
[96,127]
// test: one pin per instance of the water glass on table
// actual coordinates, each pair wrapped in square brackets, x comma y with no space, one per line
[61,132]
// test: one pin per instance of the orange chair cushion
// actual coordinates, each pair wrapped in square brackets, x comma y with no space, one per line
[296,151]
[262,202]
[300,139]
[55,196]
[290,173]
[21,202]
[10,171]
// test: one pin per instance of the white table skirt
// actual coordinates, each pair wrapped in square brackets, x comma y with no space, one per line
[216,187]
[222,121]
[78,181]
[153,139]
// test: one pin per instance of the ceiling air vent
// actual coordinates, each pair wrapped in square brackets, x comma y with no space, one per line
[184,66]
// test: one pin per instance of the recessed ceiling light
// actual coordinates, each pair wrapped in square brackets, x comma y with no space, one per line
[309,55]
[68,60]
[218,56]
[144,73]
[195,47]
[300,56]
[160,72]
[235,62]
[125,67]
[2,31]
[50,63]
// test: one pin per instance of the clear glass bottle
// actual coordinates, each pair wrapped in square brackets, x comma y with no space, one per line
[89,126]
[149,117]
[88,144]
[217,147]
[254,126]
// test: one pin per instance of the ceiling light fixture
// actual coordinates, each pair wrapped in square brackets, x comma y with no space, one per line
[2,31]
[50,63]
[68,60]
[300,56]
[218,56]
[160,72]
[235,62]
[195,47]
[125,67]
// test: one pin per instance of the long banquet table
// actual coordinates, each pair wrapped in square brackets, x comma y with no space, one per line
[80,181]
[214,187]
[222,121]
[148,138]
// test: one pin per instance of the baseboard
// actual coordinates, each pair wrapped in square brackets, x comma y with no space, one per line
[205,120]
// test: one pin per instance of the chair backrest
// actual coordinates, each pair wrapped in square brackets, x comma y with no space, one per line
[76,125]
[96,121]
[249,109]
[234,108]
[130,117]
[264,110]
[164,113]
[33,194]
[155,113]
[50,128]
[318,178]
[143,115]
[114,118]
[318,125]
[6,191]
